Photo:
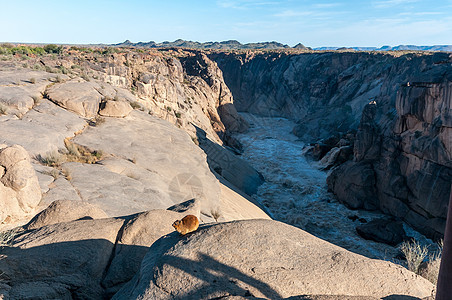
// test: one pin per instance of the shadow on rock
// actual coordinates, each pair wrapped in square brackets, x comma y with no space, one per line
[229,166]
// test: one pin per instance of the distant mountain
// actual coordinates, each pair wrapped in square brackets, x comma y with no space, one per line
[233,44]
[225,45]
[389,48]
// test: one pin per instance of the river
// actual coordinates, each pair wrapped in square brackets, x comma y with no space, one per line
[295,190]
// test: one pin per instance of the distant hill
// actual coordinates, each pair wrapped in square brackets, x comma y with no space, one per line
[399,47]
[236,45]
[225,45]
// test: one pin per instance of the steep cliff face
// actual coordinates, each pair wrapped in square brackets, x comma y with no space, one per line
[325,92]
[182,87]
[400,106]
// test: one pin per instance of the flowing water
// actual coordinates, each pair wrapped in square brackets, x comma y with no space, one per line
[295,190]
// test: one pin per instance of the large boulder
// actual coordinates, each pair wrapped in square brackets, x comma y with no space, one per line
[82,98]
[235,259]
[118,109]
[141,231]
[84,258]
[357,188]
[20,192]
[59,261]
[383,230]
[61,211]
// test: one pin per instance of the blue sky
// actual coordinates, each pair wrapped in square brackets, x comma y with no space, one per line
[313,23]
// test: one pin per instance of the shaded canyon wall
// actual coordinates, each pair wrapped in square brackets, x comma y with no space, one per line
[402,151]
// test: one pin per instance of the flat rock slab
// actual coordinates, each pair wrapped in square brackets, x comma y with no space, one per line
[263,258]
[173,163]
[41,130]
[114,193]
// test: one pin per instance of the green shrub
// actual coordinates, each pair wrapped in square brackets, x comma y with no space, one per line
[52,48]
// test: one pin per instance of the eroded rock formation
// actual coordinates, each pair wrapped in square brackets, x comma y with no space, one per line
[402,151]
[19,187]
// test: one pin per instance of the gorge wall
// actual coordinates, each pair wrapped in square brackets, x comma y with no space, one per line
[402,151]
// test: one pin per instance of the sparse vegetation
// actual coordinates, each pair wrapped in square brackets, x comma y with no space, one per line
[67,174]
[49,69]
[431,270]
[36,99]
[135,105]
[51,159]
[3,109]
[98,120]
[177,114]
[215,214]
[7,237]
[85,77]
[414,254]
[52,48]
[54,173]
[78,153]
[32,80]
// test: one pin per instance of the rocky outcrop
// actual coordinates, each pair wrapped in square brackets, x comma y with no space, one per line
[402,150]
[79,97]
[325,91]
[409,161]
[19,187]
[21,89]
[82,256]
[234,260]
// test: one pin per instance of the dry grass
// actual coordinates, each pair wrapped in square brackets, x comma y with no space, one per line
[73,153]
[3,109]
[78,153]
[67,174]
[414,254]
[55,173]
[7,237]
[431,271]
[215,214]
[51,159]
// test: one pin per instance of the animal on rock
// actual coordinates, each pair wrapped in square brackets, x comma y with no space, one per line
[188,224]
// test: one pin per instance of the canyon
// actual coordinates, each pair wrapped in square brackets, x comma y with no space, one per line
[140,137]
[402,141]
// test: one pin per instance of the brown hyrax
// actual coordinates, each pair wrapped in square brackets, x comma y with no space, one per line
[188,224]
